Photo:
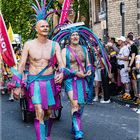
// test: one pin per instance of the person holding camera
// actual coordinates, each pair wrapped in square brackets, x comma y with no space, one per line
[122,60]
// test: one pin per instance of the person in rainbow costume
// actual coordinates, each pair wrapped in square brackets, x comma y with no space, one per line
[78,67]
[41,53]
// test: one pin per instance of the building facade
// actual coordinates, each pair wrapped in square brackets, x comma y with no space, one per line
[114,18]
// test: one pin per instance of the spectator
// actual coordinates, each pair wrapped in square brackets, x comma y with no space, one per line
[114,44]
[97,79]
[122,59]
[105,75]
[138,74]
[131,66]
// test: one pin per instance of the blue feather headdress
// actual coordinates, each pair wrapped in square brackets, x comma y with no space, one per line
[87,38]
[41,10]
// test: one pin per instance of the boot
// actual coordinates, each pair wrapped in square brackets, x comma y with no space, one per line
[76,120]
[40,130]
[72,129]
[48,127]
[80,111]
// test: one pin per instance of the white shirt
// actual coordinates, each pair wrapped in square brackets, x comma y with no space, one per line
[138,59]
[124,52]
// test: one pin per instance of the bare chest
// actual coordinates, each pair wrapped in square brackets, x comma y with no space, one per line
[80,53]
[37,53]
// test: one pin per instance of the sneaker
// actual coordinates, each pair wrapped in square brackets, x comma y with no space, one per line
[138,111]
[2,92]
[126,96]
[95,99]
[11,99]
[102,99]
[105,102]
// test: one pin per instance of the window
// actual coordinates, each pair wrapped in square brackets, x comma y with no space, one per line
[96,10]
[103,5]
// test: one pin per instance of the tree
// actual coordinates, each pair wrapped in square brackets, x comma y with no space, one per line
[18,12]
[84,10]
[83,7]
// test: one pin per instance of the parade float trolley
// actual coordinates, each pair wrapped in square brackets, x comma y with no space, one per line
[27,107]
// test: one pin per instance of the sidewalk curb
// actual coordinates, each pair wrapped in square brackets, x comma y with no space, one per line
[120,101]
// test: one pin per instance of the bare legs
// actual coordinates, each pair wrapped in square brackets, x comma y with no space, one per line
[43,123]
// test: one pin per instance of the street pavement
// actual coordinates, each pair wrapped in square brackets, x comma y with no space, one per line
[100,122]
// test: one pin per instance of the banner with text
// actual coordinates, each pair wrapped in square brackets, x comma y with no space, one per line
[6,48]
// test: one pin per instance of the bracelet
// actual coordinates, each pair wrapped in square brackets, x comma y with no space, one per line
[73,72]
[67,72]
[90,67]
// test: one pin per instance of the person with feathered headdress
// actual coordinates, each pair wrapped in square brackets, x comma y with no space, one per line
[41,81]
[76,39]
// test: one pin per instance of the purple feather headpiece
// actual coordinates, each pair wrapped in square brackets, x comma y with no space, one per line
[87,38]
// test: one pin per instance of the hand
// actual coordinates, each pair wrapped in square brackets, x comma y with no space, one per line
[17,93]
[58,78]
[110,75]
[80,74]
[129,69]
[88,73]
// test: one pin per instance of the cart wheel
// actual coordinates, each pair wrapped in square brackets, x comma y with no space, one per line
[24,115]
[24,112]
[57,113]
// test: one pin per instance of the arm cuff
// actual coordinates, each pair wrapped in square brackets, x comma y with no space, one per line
[67,72]
[17,77]
[90,67]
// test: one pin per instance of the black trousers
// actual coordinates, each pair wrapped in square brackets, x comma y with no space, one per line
[105,84]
